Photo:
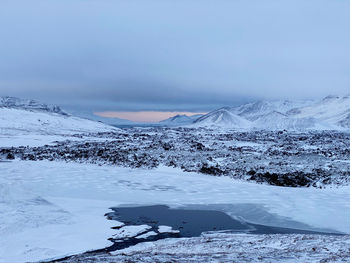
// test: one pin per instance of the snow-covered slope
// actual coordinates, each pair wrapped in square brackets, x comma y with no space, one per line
[278,121]
[334,110]
[27,117]
[17,121]
[345,122]
[223,117]
[255,110]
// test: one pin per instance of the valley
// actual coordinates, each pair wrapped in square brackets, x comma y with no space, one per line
[283,193]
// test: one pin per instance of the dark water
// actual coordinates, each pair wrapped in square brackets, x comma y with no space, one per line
[192,223]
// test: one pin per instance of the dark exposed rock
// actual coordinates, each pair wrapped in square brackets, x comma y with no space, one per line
[205,169]
[283,159]
[293,179]
[10,156]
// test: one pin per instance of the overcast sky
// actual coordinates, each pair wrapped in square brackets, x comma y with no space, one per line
[183,55]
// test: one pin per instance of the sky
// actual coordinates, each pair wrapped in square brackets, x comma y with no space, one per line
[172,55]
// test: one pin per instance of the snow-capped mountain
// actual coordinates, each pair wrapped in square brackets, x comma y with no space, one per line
[279,121]
[17,103]
[332,112]
[255,110]
[180,119]
[24,117]
[223,117]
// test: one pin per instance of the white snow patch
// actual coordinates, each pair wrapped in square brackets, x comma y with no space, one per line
[167,229]
[146,235]
[131,231]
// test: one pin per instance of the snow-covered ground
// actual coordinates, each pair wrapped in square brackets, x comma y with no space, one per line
[52,209]
[36,140]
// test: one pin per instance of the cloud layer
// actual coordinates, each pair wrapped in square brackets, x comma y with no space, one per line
[172,55]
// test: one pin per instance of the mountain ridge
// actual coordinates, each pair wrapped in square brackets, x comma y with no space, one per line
[29,104]
[332,112]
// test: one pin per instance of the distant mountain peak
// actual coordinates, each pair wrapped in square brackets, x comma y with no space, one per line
[223,117]
[181,119]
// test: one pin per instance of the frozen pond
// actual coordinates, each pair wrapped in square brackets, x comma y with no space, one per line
[150,223]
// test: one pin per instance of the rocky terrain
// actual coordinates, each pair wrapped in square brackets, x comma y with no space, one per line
[281,158]
[216,247]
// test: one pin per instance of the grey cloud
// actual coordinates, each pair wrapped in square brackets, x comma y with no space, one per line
[172,55]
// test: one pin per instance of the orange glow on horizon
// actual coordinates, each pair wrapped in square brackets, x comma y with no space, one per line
[144,116]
